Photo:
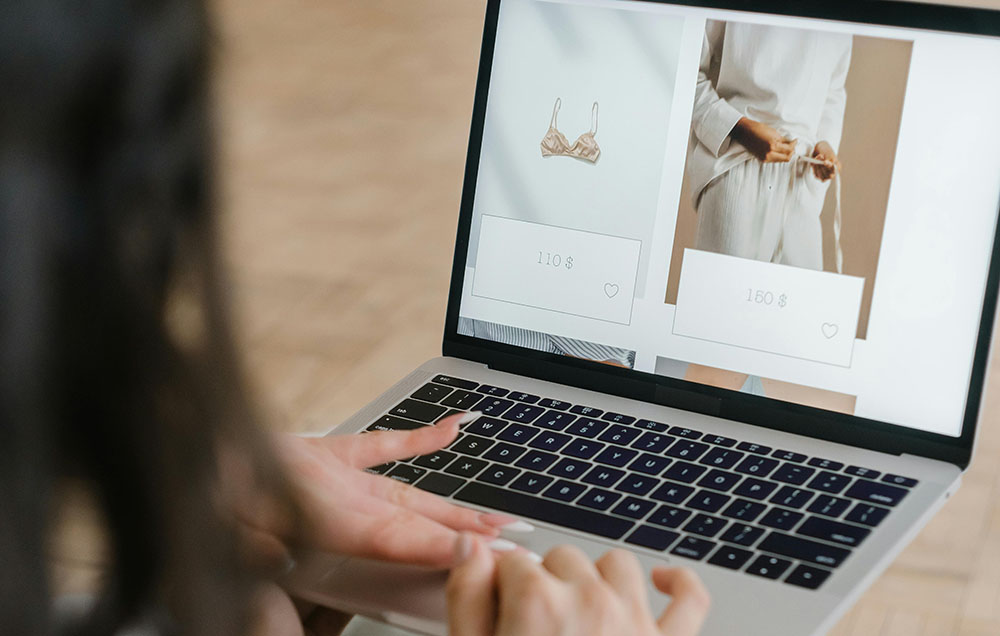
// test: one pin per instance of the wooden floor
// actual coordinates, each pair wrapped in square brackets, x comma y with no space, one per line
[344,129]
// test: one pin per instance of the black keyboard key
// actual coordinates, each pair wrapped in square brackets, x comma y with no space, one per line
[808,577]
[527,398]
[757,466]
[521,505]
[617,418]
[719,480]
[621,435]
[650,464]
[586,411]
[744,510]
[781,519]
[532,483]
[730,557]
[518,433]
[634,508]
[466,467]
[708,501]
[755,488]
[462,400]
[598,499]
[706,525]
[486,426]
[686,433]
[858,471]
[440,484]
[721,458]
[582,448]
[523,413]
[458,383]
[742,534]
[687,450]
[498,474]
[756,449]
[419,411]
[587,427]
[601,476]
[830,482]
[558,405]
[653,538]
[504,453]
[637,484]
[564,491]
[693,548]
[550,441]
[719,440]
[390,423]
[876,493]
[492,406]
[685,472]
[899,480]
[868,515]
[789,456]
[833,531]
[407,474]
[669,516]
[826,464]
[471,445]
[804,549]
[569,468]
[791,497]
[650,425]
[555,421]
[829,506]
[448,414]
[431,393]
[437,460]
[495,391]
[537,460]
[672,493]
[614,456]
[653,442]
[768,567]
[793,474]
[381,469]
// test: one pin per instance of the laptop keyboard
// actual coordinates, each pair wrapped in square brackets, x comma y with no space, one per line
[738,505]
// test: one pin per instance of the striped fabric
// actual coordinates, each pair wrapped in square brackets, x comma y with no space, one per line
[544,342]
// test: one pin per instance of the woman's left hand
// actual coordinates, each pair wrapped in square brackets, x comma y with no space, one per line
[831,166]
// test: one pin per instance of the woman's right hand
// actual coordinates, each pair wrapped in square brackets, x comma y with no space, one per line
[763,141]
[566,595]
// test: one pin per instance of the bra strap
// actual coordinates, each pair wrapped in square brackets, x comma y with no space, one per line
[593,117]
[555,113]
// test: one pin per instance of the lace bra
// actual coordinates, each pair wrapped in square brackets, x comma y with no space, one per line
[555,144]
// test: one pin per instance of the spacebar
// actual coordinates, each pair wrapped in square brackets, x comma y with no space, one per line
[544,510]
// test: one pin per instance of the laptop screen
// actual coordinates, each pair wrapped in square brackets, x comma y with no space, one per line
[797,209]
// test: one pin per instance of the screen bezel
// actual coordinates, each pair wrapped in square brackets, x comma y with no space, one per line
[758,411]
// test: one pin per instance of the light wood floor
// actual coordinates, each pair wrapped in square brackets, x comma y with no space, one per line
[344,128]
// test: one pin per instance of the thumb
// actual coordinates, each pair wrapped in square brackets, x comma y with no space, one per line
[472,589]
[689,604]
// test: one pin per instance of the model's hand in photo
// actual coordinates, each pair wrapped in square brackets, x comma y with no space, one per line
[763,141]
[567,595]
[824,152]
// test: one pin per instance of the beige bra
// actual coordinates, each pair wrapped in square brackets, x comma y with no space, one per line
[555,144]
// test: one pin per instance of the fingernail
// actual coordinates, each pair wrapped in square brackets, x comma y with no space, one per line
[505,523]
[502,545]
[534,556]
[469,417]
[464,547]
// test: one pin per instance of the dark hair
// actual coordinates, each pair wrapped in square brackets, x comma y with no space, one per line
[117,367]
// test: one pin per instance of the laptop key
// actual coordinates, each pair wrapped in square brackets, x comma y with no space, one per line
[742,534]
[755,488]
[406,474]
[601,476]
[621,435]
[549,441]
[458,383]
[440,484]
[685,472]
[756,449]
[781,519]
[768,567]
[672,493]
[899,480]
[650,464]
[830,482]
[598,499]
[462,400]
[858,471]
[472,445]
[719,480]
[826,464]
[637,484]
[558,405]
[495,391]
[390,423]
[808,577]
[829,506]
[719,440]
[730,557]
[876,493]
[569,468]
[431,393]
[518,433]
[614,456]
[868,515]
[498,474]
[653,442]
[564,490]
[587,427]
[721,458]
[586,411]
[531,482]
[504,453]
[650,425]
[833,531]
[437,460]
[555,421]
[492,406]
[634,508]
[708,501]
[693,548]
[466,467]
[744,510]
[686,433]
[486,426]
[804,549]
[669,516]
[527,398]
[582,448]
[791,497]
[522,505]
[688,450]
[537,460]
[653,538]
[523,413]
[789,456]
[792,474]
[381,469]
[705,525]
[617,418]
[757,466]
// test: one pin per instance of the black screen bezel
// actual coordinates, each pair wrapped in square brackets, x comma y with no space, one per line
[758,411]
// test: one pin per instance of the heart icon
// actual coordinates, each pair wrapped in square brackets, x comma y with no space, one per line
[830,330]
[611,290]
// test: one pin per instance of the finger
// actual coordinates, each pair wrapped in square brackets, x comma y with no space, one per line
[380,447]
[262,549]
[689,601]
[472,589]
[274,613]
[428,505]
[622,572]
[570,564]
[326,622]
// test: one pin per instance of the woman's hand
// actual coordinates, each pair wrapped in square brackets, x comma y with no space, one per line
[831,166]
[763,142]
[566,595]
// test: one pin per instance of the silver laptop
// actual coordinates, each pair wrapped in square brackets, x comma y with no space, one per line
[724,288]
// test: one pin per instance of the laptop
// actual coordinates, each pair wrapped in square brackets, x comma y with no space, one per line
[724,288]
